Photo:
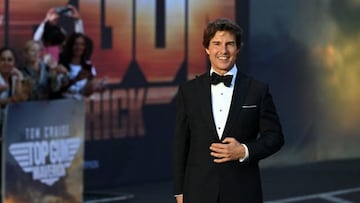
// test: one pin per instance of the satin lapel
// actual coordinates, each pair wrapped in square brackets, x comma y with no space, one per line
[239,94]
[206,108]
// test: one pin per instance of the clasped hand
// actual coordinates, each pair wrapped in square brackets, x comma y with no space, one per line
[229,150]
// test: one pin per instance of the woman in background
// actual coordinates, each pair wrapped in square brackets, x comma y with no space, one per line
[12,86]
[52,34]
[42,74]
[76,57]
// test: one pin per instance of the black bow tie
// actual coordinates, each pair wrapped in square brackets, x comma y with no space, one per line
[216,79]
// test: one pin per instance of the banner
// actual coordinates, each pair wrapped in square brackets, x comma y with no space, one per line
[43,152]
[145,48]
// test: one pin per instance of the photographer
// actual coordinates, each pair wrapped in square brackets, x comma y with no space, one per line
[52,34]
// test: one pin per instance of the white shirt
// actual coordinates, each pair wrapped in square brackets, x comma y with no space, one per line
[221,100]
[75,90]
[221,97]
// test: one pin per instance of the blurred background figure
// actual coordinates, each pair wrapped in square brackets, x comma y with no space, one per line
[76,57]
[52,34]
[42,74]
[13,87]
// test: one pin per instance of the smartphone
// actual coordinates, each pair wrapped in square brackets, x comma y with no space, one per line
[63,10]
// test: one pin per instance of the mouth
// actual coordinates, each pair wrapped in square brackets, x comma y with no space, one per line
[223,57]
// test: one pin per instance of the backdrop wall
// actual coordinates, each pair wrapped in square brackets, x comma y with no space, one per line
[305,51]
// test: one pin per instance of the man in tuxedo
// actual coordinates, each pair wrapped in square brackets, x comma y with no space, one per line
[226,122]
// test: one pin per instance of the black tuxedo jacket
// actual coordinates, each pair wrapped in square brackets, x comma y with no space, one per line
[252,120]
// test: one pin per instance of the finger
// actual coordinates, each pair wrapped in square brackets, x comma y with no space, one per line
[218,150]
[222,160]
[228,140]
[218,145]
[218,155]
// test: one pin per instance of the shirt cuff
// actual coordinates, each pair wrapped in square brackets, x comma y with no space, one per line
[246,157]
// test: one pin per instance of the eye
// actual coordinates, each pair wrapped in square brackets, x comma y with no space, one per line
[216,43]
[6,59]
[232,44]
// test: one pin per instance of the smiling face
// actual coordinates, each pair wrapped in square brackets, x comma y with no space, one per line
[32,52]
[222,51]
[79,47]
[7,61]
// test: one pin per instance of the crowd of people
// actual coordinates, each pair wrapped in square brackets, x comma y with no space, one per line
[56,63]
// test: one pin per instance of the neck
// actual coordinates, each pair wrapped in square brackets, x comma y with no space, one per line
[222,72]
[6,76]
[33,65]
[76,60]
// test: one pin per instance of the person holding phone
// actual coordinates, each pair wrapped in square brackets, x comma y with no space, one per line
[52,34]
[76,57]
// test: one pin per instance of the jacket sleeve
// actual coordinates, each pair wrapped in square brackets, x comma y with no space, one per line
[270,138]
[180,144]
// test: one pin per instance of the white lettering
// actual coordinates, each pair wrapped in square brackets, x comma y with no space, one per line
[48,171]
[59,151]
[40,152]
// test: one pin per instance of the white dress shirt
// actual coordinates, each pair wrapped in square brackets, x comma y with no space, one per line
[221,97]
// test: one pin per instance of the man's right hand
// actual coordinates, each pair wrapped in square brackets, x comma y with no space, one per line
[179,199]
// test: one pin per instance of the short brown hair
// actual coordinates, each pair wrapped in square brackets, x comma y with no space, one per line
[222,24]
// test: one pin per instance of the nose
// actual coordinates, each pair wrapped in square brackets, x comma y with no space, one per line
[223,49]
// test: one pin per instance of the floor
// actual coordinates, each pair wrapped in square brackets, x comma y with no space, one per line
[331,181]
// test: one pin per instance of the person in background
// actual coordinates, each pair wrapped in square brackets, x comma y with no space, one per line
[76,57]
[13,88]
[226,122]
[42,74]
[52,34]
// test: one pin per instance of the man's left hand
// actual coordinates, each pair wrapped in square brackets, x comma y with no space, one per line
[230,149]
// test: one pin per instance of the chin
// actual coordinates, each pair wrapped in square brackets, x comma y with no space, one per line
[226,68]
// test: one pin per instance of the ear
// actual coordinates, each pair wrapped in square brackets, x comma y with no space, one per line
[207,51]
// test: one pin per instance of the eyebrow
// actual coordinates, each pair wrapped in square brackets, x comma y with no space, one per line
[232,42]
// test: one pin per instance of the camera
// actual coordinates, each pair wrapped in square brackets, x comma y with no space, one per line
[61,10]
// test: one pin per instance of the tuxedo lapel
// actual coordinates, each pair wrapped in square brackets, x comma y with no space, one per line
[206,108]
[239,94]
